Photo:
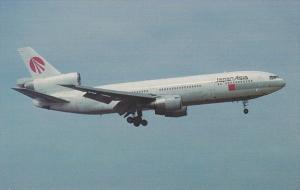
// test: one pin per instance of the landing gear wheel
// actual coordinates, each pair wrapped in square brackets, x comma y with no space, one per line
[144,122]
[136,120]
[245,104]
[130,119]
[136,123]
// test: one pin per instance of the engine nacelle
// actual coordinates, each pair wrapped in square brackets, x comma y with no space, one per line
[170,106]
[51,83]
[21,82]
[177,113]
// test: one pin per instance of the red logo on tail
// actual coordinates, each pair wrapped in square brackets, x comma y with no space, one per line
[37,65]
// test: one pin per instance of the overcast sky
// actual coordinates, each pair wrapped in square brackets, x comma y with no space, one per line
[215,147]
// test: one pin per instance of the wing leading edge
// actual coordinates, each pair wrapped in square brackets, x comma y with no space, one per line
[106,95]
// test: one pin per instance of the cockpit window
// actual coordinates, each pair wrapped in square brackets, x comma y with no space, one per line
[273,77]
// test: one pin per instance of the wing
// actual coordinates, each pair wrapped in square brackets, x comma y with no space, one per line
[128,101]
[37,95]
[106,96]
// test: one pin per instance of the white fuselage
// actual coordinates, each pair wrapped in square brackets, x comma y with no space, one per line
[194,90]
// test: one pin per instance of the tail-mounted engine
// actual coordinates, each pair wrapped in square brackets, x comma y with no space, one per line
[50,83]
[170,106]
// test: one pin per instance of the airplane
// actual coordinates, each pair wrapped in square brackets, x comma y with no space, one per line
[53,90]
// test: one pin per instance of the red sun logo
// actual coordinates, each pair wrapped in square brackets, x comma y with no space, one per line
[37,65]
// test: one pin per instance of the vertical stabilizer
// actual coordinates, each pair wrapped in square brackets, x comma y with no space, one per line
[36,64]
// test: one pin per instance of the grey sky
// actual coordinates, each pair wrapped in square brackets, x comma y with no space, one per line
[214,147]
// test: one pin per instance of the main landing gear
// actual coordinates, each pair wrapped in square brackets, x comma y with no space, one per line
[245,104]
[137,120]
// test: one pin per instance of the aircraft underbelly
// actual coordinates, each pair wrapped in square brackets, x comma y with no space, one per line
[85,106]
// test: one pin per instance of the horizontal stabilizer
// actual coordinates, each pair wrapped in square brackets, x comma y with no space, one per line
[37,95]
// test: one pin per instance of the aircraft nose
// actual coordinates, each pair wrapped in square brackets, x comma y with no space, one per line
[281,83]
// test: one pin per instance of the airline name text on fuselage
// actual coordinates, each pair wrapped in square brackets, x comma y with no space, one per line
[232,79]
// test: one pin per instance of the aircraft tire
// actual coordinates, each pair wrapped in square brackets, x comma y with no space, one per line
[246,111]
[136,123]
[129,119]
[144,122]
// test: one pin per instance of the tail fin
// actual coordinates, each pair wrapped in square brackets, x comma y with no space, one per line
[36,64]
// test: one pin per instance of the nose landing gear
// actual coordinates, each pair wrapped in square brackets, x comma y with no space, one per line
[245,104]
